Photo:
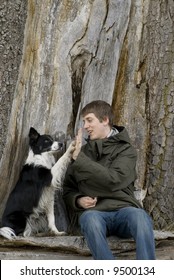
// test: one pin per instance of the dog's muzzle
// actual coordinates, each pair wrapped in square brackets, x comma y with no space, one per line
[57,146]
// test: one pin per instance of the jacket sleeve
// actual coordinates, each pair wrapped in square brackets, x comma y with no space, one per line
[105,180]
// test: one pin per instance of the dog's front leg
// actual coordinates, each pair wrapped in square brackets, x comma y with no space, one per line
[51,218]
[59,169]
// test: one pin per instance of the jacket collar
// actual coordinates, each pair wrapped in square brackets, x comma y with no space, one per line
[101,146]
[113,132]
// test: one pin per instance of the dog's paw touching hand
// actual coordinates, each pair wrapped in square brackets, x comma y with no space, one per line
[71,147]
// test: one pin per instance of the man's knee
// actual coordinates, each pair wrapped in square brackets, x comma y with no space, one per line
[91,220]
[143,216]
[141,220]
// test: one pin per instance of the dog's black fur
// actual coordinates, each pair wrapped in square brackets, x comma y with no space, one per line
[33,194]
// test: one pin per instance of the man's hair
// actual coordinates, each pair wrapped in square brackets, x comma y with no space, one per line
[100,109]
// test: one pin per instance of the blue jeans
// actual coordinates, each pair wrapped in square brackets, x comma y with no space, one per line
[126,222]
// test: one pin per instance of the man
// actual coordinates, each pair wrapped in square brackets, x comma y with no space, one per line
[99,186]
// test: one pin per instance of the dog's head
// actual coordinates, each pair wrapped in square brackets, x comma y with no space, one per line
[42,143]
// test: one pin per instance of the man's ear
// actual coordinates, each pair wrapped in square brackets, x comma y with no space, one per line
[105,120]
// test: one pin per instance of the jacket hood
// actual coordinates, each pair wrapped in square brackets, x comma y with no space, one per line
[122,135]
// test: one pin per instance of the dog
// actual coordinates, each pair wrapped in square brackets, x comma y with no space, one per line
[31,202]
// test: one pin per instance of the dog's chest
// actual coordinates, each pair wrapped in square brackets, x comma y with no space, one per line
[46,159]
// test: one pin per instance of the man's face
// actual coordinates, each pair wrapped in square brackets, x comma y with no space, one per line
[96,129]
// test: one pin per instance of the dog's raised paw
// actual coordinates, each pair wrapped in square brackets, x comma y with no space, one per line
[71,147]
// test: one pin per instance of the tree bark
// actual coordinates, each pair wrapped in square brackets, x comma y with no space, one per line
[159,77]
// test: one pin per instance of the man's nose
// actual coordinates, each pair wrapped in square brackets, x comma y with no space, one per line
[85,125]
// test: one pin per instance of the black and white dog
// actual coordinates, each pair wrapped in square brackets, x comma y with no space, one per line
[32,199]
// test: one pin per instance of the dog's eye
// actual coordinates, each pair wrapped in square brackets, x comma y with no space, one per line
[46,141]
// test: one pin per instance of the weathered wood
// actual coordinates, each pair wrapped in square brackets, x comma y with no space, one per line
[159,78]
[122,248]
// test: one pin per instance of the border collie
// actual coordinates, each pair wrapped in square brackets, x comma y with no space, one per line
[30,206]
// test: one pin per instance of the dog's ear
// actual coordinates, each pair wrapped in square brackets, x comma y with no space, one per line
[33,134]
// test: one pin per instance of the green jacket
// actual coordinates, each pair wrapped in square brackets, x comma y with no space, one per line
[105,169]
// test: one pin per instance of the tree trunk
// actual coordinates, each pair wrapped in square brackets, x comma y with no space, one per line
[159,44]
[81,50]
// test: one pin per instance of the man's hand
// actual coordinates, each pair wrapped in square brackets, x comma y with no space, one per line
[78,144]
[86,202]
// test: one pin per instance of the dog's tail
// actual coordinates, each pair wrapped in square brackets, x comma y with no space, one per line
[7,232]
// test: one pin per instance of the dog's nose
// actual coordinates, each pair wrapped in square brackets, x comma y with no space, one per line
[60,145]
[56,146]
